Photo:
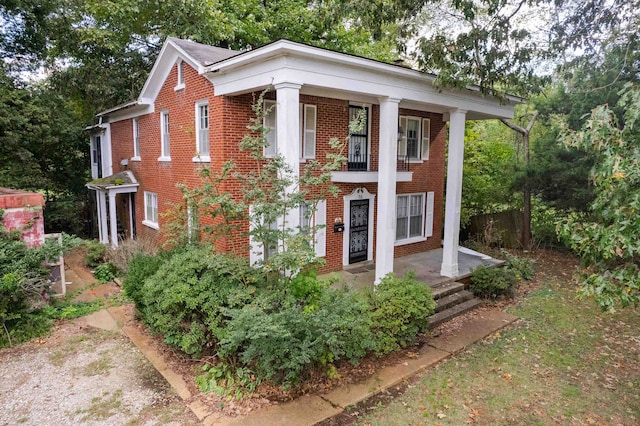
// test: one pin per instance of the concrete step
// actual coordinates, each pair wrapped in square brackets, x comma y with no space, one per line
[453,299]
[446,289]
[452,312]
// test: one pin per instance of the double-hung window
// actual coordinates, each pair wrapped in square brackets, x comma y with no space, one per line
[151,210]
[414,217]
[165,154]
[202,131]
[136,140]
[308,117]
[313,224]
[270,120]
[414,143]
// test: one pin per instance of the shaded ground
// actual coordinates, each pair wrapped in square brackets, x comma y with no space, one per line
[565,362]
[82,375]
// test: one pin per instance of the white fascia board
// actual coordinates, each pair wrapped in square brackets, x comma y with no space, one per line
[166,59]
[371,82]
[131,113]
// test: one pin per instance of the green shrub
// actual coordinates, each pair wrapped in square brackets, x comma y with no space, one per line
[282,341]
[96,252]
[105,272]
[141,267]
[399,311]
[490,282]
[186,298]
[522,267]
[127,250]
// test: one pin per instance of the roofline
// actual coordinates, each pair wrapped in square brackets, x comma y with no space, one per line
[284,47]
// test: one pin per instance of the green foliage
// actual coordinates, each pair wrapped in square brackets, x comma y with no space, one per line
[281,341]
[306,287]
[186,298]
[141,267]
[607,240]
[489,282]
[399,308]
[96,252]
[522,267]
[127,249]
[105,272]
[227,382]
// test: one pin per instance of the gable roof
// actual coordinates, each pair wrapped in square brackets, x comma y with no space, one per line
[202,53]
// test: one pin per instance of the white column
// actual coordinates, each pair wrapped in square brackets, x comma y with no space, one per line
[113,221]
[102,217]
[453,195]
[288,133]
[131,201]
[387,160]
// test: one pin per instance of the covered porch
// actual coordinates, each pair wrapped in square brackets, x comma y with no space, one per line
[426,266]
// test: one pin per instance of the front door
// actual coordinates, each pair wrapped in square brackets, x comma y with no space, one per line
[359,231]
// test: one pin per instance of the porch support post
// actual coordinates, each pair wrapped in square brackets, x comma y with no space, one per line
[131,201]
[113,221]
[453,195]
[102,217]
[387,160]
[288,134]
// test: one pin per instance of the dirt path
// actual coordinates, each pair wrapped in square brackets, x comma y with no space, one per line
[82,375]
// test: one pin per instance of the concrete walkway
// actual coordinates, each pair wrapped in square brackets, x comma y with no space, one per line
[309,409]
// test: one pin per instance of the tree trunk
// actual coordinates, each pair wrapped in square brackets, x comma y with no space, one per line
[526,190]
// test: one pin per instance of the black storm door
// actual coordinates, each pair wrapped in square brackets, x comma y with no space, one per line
[359,231]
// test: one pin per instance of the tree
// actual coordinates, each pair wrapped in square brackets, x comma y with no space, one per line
[607,239]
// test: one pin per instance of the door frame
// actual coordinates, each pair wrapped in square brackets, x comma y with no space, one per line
[357,194]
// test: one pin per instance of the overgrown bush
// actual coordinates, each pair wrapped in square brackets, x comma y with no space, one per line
[522,267]
[186,298]
[282,341]
[105,272]
[141,267]
[399,311]
[96,252]
[127,249]
[490,282]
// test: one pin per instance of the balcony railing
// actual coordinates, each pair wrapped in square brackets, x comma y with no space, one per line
[366,163]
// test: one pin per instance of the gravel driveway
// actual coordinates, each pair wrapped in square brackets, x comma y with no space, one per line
[82,375]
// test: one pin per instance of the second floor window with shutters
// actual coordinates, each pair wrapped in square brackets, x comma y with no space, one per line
[415,138]
[308,118]
[202,130]
[270,120]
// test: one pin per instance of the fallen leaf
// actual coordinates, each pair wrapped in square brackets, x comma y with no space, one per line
[441,415]
[507,376]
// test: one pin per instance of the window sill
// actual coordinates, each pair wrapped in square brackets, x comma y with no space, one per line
[166,159]
[179,87]
[150,224]
[411,240]
[201,159]
[136,158]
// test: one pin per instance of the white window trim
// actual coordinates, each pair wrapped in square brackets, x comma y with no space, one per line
[369,108]
[135,123]
[149,222]
[180,72]
[164,156]
[198,158]
[418,239]
[270,104]
[421,121]
[303,131]
[318,220]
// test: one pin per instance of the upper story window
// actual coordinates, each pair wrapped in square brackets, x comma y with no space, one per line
[416,136]
[180,72]
[270,120]
[96,156]
[308,118]
[202,131]
[136,140]
[358,157]
[165,144]
[151,210]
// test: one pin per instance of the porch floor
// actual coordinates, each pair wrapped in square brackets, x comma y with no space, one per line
[426,266]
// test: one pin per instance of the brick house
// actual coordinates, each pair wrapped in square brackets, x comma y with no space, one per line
[196,104]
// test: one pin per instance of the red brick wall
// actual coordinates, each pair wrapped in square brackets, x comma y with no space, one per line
[23,212]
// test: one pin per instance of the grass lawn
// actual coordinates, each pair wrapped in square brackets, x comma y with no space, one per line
[564,362]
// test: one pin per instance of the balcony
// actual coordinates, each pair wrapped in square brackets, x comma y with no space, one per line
[364,169]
